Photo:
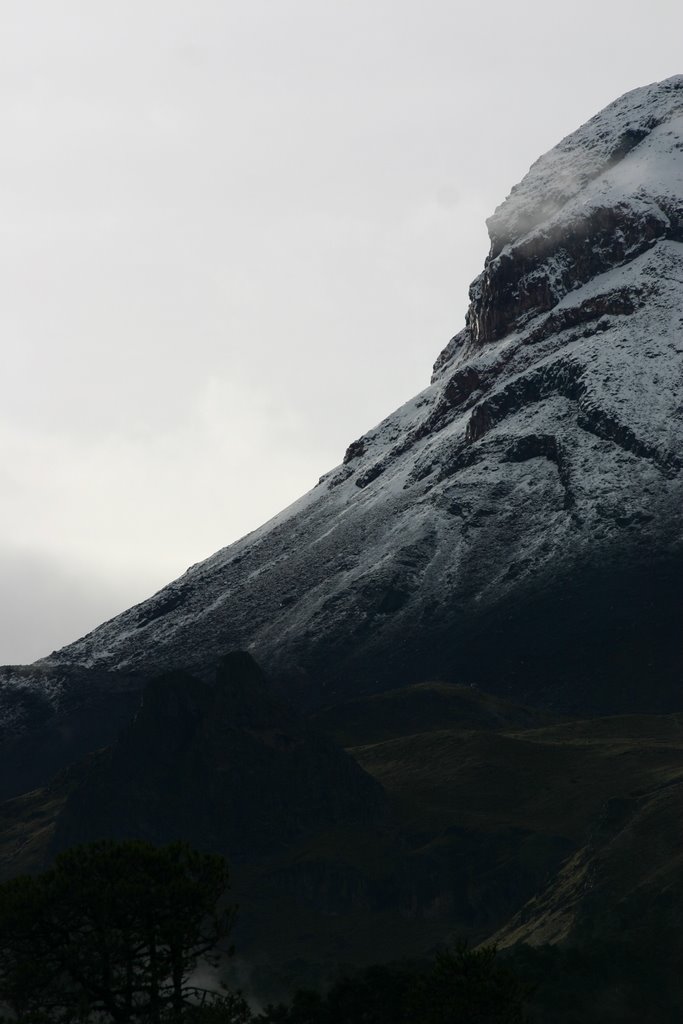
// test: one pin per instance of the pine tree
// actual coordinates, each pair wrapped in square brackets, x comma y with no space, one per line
[115,930]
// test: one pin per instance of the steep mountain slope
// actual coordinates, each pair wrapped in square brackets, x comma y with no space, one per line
[517,524]
[625,879]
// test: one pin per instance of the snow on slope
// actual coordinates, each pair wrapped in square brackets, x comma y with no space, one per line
[604,155]
[546,455]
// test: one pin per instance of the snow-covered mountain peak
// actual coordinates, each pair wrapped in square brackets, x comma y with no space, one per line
[599,198]
[598,150]
[516,525]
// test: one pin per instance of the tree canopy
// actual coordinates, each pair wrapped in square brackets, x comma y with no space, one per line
[462,986]
[114,931]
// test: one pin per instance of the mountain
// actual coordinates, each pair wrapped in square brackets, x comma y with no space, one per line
[471,718]
[517,525]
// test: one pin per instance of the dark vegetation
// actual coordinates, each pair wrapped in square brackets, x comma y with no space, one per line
[618,982]
[462,986]
[116,932]
[456,814]
[113,932]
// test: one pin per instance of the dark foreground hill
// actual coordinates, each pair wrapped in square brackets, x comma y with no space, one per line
[223,765]
[492,820]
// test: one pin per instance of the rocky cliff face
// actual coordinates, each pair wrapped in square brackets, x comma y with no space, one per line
[517,524]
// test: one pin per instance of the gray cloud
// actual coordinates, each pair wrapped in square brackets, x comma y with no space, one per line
[45,603]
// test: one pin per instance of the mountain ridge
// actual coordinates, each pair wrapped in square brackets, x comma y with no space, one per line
[509,525]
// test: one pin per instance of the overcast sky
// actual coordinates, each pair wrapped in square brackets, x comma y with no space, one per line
[235,235]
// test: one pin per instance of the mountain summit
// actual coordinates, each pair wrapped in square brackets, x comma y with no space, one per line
[517,525]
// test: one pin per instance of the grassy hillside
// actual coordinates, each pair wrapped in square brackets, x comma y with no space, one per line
[425,707]
[501,821]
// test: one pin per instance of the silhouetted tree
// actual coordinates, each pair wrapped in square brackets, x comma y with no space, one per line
[227,1008]
[113,931]
[463,986]
[469,985]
